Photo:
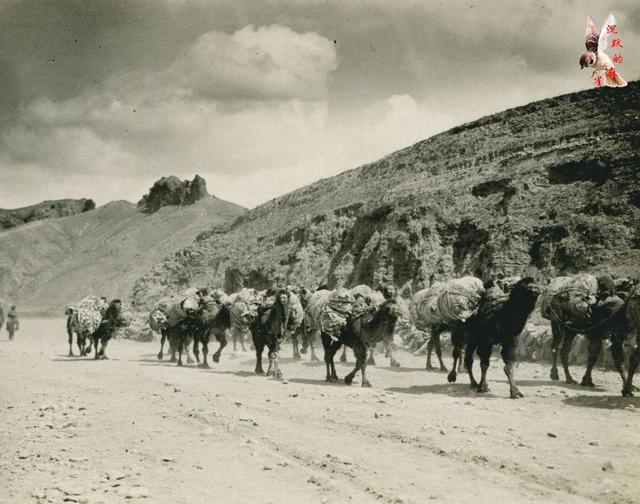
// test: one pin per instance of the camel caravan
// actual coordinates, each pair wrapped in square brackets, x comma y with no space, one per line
[478,316]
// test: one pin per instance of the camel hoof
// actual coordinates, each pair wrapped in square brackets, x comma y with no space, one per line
[366,384]
[571,381]
[303,351]
[348,379]
[70,354]
[429,367]
[443,369]
[627,392]
[215,358]
[483,388]
[332,379]
[516,394]
[180,363]
[260,372]
[296,357]
[554,375]
[395,363]
[452,377]
[204,365]
[343,358]
[587,381]
[104,357]
[160,355]
[173,359]
[315,359]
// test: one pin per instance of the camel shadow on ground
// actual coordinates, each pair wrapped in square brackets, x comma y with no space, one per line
[551,383]
[450,389]
[81,358]
[323,382]
[403,369]
[603,402]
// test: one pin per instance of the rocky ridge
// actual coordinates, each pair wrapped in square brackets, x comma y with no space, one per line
[548,188]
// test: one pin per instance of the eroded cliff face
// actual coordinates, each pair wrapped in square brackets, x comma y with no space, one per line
[549,188]
[44,210]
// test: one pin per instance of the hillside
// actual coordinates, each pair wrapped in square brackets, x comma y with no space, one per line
[548,188]
[44,210]
[46,264]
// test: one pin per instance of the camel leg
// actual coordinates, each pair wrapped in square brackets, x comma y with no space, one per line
[103,348]
[439,354]
[509,358]
[95,347]
[205,352]
[330,349]
[468,363]
[556,333]
[617,353]
[163,338]
[274,368]
[180,348]
[595,348]
[634,360]
[222,339]
[430,345]
[361,359]
[186,351]
[371,360]
[295,344]
[313,357]
[196,350]
[392,360]
[234,338]
[567,340]
[82,343]
[259,349]
[484,352]
[360,351]
[70,341]
[343,355]
[457,358]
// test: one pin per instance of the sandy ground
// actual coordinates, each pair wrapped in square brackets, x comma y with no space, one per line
[133,429]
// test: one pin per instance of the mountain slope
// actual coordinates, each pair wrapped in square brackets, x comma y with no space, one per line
[549,188]
[47,264]
[44,210]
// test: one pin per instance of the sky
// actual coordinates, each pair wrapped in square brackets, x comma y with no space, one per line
[99,99]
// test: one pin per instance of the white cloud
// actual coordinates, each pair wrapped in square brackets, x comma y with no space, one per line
[251,101]
[257,63]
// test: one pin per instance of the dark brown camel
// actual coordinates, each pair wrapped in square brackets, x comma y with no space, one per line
[499,322]
[213,320]
[268,330]
[360,332]
[110,323]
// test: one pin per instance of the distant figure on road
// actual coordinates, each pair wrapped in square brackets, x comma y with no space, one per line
[12,322]
[1,318]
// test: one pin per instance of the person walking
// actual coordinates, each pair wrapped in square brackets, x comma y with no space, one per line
[12,322]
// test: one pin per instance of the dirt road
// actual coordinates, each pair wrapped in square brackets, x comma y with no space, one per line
[133,429]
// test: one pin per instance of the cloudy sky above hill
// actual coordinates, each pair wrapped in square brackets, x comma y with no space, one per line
[100,99]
